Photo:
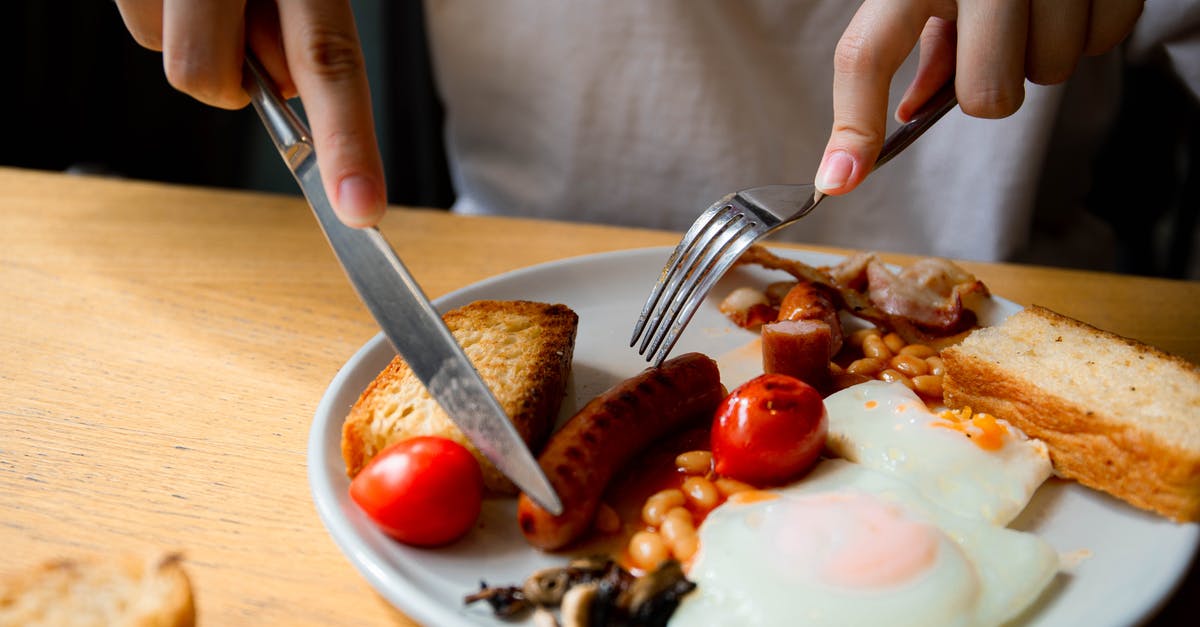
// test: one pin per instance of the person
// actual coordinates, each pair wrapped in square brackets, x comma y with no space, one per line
[644,113]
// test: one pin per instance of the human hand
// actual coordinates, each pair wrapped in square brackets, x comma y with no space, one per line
[309,47]
[989,46]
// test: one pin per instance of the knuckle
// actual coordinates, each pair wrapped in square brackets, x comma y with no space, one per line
[349,150]
[1050,73]
[992,101]
[851,134]
[853,54]
[196,78]
[333,55]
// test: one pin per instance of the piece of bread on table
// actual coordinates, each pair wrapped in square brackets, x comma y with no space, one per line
[1116,414]
[523,351]
[118,591]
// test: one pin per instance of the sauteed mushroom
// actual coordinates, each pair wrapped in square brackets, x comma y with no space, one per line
[593,591]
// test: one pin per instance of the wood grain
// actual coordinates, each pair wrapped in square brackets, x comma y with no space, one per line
[163,349]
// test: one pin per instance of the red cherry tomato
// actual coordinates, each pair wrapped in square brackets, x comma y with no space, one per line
[423,491]
[769,430]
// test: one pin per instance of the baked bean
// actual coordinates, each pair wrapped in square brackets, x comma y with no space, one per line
[686,547]
[918,350]
[677,524]
[647,550]
[694,462]
[847,379]
[909,365]
[659,504]
[701,493]
[894,342]
[936,365]
[895,376]
[929,385]
[868,366]
[856,338]
[751,496]
[727,486]
[873,346]
[607,521]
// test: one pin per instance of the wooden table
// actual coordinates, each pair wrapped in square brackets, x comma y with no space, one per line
[162,350]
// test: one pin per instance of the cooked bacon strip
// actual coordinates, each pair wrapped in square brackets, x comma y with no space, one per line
[929,293]
[851,300]
[748,308]
[923,303]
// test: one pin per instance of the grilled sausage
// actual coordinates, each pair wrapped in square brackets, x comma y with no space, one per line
[584,455]
[809,301]
[800,349]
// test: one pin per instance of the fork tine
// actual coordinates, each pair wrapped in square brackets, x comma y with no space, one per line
[674,262]
[722,251]
[698,248]
[746,237]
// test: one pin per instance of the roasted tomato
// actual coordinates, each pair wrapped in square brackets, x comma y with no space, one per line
[423,491]
[769,430]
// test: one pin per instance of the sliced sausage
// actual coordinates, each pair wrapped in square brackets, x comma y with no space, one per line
[800,349]
[809,301]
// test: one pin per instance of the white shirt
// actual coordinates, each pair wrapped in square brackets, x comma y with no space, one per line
[643,113]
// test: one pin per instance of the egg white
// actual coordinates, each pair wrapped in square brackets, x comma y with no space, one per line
[886,427]
[755,568]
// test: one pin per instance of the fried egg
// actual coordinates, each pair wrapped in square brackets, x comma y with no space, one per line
[981,468]
[853,546]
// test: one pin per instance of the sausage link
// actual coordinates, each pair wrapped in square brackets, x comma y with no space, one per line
[809,301]
[583,456]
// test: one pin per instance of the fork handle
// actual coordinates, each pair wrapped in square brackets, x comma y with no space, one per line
[932,111]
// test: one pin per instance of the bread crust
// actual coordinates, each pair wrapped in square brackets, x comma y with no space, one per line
[1141,459]
[123,589]
[522,349]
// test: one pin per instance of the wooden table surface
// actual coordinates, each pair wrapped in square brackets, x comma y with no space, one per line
[163,349]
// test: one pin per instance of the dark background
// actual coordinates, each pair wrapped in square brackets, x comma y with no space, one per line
[82,96]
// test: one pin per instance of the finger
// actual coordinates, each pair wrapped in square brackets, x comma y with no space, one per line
[203,49]
[327,66]
[143,20]
[263,36]
[879,37]
[935,66]
[1057,33]
[990,74]
[1112,20]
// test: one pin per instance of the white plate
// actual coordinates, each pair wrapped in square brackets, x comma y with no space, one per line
[1128,561]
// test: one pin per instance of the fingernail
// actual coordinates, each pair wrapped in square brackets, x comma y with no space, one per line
[835,171]
[359,201]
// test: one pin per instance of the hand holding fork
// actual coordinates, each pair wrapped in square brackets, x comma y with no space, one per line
[731,225]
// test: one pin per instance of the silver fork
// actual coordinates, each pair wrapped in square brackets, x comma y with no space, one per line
[727,228]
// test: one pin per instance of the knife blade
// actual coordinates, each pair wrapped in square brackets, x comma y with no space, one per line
[399,306]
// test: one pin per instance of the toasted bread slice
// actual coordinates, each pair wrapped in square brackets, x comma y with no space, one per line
[1116,414]
[124,590]
[522,350]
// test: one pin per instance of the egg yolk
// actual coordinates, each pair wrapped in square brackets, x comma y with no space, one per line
[857,541]
[982,429]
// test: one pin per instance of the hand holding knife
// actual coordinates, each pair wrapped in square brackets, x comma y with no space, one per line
[398,304]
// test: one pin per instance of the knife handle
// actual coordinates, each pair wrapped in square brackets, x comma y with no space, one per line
[287,130]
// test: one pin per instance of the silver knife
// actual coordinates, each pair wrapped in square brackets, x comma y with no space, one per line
[402,310]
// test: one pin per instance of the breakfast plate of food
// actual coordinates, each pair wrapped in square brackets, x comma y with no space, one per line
[993,531]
